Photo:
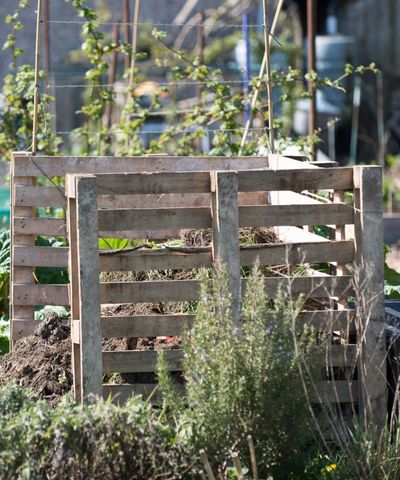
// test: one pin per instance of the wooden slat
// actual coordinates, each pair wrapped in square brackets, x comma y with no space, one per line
[52,197]
[60,166]
[171,325]
[188,290]
[153,183]
[150,291]
[145,325]
[311,286]
[310,252]
[296,181]
[40,294]
[249,216]
[40,226]
[120,394]
[295,215]
[339,391]
[138,361]
[23,328]
[41,256]
[141,260]
[58,227]
[328,320]
[342,355]
[40,196]
[155,219]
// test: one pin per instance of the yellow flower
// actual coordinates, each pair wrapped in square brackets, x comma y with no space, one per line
[331,467]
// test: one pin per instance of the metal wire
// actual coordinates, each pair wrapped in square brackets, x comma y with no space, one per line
[149,24]
[156,132]
[147,82]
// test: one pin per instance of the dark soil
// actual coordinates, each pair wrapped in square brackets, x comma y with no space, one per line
[42,361]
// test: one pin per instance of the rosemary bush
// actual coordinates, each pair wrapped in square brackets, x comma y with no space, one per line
[248,381]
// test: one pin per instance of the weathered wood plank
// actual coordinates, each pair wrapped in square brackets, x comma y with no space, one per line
[52,197]
[188,290]
[87,263]
[311,287]
[40,226]
[20,274]
[153,183]
[225,228]
[120,394]
[295,215]
[155,219]
[60,166]
[370,291]
[292,253]
[41,256]
[133,361]
[271,254]
[294,180]
[23,328]
[339,391]
[40,196]
[342,355]
[146,325]
[329,320]
[30,295]
[150,291]
[141,260]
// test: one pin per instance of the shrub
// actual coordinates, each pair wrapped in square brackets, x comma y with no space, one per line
[93,441]
[246,382]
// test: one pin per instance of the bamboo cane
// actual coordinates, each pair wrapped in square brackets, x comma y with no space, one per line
[267,46]
[36,91]
[256,90]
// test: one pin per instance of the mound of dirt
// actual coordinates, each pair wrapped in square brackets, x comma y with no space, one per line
[41,361]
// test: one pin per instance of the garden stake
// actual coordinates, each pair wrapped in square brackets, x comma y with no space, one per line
[133,54]
[36,91]
[256,90]
[206,464]
[267,46]
[252,457]
[238,465]
[127,34]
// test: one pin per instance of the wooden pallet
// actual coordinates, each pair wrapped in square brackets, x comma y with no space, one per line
[37,182]
[88,219]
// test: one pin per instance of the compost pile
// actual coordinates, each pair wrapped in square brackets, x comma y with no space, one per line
[41,361]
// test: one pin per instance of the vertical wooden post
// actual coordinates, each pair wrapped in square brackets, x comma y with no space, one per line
[22,275]
[370,302]
[85,288]
[225,226]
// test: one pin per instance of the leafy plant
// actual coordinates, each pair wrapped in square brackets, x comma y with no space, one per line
[92,441]
[241,382]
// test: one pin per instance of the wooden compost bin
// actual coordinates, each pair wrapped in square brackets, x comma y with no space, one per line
[361,348]
[356,227]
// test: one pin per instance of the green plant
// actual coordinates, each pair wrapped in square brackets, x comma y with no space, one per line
[100,440]
[246,381]
[4,336]
[392,280]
